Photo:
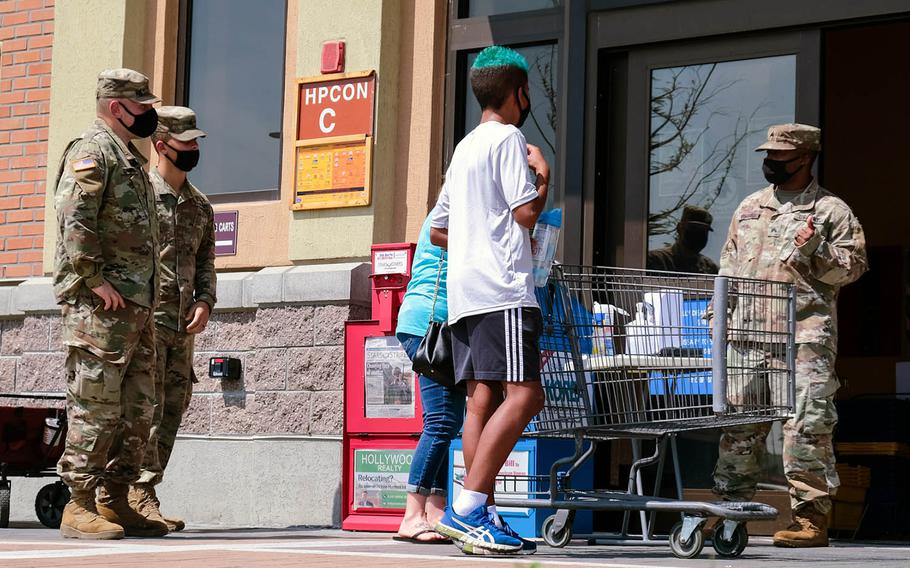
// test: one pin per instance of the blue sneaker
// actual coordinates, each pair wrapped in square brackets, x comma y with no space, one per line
[528,547]
[477,533]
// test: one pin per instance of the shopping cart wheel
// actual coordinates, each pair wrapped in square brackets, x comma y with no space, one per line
[50,502]
[4,504]
[735,545]
[689,549]
[556,539]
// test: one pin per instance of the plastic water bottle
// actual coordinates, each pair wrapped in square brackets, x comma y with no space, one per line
[543,244]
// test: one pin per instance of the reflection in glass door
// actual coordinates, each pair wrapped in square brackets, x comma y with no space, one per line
[705,121]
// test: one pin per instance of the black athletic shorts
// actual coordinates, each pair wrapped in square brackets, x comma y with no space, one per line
[498,346]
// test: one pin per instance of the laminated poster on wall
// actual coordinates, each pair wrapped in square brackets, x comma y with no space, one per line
[388,379]
[380,478]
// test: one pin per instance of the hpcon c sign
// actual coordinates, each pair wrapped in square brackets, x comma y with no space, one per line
[339,106]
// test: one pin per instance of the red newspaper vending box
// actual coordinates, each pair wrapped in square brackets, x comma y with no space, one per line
[382,411]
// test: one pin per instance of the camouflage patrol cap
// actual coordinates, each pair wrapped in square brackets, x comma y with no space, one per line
[179,123]
[125,84]
[793,137]
[696,215]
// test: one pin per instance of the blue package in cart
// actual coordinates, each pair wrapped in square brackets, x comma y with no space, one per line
[696,338]
[565,403]
[695,332]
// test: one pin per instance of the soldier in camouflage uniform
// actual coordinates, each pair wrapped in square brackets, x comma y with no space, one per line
[684,255]
[792,231]
[106,281]
[187,229]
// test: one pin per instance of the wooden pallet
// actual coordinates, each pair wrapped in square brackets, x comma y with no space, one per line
[854,475]
[873,449]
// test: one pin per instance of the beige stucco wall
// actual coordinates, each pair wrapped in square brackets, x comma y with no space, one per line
[421,100]
[369,29]
[89,36]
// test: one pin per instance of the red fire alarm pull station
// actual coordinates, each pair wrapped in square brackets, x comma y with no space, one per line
[382,408]
[333,57]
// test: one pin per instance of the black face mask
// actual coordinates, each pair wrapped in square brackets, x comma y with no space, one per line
[694,240]
[776,170]
[144,123]
[524,111]
[186,159]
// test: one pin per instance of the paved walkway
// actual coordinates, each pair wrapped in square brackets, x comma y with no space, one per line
[33,547]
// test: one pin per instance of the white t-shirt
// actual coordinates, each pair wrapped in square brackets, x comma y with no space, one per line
[489,253]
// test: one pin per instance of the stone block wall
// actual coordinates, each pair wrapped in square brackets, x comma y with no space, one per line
[292,352]
[293,368]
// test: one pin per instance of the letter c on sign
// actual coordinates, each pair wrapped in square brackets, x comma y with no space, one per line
[322,125]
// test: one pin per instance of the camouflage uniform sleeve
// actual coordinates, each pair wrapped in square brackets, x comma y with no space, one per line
[839,259]
[206,281]
[78,200]
[728,254]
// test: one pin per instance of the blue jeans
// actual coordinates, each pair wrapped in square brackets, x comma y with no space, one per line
[443,414]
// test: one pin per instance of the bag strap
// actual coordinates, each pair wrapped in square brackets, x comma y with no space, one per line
[442,259]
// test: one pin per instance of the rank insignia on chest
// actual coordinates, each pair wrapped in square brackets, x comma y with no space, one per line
[84,164]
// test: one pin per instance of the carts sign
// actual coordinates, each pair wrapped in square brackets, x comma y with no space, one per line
[226,233]
[332,107]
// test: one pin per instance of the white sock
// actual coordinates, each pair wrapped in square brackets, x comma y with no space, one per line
[468,501]
[496,520]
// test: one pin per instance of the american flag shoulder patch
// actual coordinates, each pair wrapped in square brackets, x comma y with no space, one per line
[83,164]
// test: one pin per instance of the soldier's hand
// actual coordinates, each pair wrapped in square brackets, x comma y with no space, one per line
[805,233]
[198,316]
[110,296]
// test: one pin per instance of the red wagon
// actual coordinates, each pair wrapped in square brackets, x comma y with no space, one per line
[31,442]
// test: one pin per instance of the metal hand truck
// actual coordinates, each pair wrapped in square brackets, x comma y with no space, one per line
[701,352]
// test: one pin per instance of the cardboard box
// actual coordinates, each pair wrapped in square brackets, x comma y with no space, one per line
[780,500]
[846,516]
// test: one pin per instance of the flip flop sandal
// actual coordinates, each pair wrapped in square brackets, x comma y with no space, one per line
[414,540]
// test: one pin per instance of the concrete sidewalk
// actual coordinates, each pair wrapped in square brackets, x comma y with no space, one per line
[34,547]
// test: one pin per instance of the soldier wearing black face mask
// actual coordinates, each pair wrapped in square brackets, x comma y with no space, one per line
[684,255]
[187,257]
[106,280]
[792,231]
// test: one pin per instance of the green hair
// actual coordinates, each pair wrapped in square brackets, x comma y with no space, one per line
[498,56]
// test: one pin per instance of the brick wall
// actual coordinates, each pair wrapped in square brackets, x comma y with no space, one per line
[26,37]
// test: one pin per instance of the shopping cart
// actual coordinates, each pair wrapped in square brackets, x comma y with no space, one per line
[31,442]
[668,370]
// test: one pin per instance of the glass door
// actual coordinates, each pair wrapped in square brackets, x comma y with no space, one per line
[675,137]
[705,119]
[688,117]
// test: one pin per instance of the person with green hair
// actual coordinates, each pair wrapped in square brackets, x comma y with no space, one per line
[489,203]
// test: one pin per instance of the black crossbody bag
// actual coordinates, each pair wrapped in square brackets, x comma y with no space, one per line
[434,354]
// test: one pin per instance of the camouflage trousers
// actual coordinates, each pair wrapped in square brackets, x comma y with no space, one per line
[808,452]
[109,391]
[174,379]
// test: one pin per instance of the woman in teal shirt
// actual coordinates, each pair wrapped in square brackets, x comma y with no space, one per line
[443,407]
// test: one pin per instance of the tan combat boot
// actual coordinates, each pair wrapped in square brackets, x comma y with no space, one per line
[144,499]
[114,506]
[81,519]
[809,529]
